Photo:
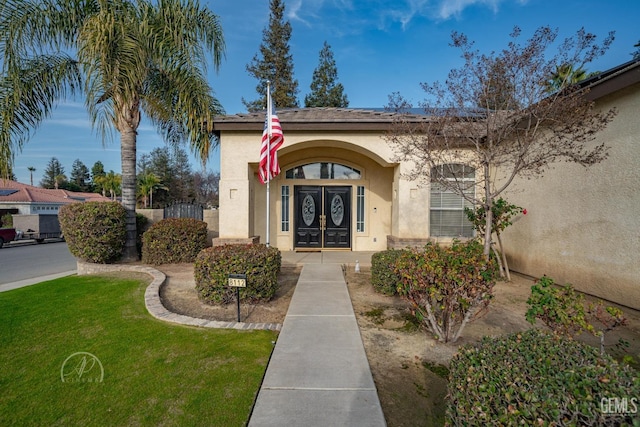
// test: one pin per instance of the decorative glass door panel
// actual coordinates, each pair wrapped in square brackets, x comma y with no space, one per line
[322,217]
[337,211]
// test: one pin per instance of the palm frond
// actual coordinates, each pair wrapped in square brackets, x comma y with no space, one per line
[181,104]
[28,93]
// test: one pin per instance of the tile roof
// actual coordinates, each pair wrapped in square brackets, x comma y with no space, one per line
[325,118]
[29,194]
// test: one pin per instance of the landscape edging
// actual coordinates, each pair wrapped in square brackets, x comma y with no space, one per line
[153,302]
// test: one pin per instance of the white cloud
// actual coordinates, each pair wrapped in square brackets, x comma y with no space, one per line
[293,12]
[307,11]
[449,8]
[412,9]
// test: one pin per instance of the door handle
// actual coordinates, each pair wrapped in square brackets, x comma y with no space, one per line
[323,222]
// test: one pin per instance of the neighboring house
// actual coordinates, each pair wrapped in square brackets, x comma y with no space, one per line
[28,200]
[583,224]
[339,188]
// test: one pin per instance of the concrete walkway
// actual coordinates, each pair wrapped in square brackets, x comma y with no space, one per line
[318,374]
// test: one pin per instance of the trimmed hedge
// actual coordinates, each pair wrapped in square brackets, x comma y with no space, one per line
[174,240]
[95,231]
[536,378]
[260,263]
[384,278]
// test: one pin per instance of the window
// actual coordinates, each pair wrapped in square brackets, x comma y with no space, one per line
[447,217]
[284,222]
[360,209]
[323,170]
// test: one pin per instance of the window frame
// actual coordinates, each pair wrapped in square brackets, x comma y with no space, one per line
[285,200]
[447,200]
[360,209]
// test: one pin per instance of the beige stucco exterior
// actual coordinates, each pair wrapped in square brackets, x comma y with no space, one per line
[582,223]
[393,206]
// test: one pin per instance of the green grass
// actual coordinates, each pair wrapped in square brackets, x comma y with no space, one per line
[155,373]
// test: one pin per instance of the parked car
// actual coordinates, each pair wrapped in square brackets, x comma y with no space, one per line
[7,235]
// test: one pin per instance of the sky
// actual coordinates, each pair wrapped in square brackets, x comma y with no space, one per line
[380,47]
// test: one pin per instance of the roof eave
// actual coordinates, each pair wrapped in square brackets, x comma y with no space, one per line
[612,80]
[304,126]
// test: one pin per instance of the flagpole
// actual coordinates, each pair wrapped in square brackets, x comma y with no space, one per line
[268,155]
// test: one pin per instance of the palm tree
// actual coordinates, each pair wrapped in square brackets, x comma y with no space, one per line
[110,182]
[59,180]
[128,58]
[31,170]
[565,75]
[146,184]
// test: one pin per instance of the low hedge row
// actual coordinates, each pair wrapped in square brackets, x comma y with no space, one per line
[260,263]
[384,278]
[94,231]
[537,378]
[174,240]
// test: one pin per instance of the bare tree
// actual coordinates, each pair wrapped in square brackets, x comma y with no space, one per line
[495,115]
[206,185]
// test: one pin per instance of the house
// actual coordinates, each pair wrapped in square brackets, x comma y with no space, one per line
[23,199]
[583,224]
[340,188]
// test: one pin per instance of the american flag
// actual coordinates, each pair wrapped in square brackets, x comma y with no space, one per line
[277,138]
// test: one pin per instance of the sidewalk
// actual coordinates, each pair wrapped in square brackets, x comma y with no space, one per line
[28,282]
[318,374]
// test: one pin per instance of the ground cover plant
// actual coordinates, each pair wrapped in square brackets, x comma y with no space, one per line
[539,378]
[564,311]
[154,373]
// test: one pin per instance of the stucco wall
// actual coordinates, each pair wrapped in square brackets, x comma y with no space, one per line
[582,224]
[243,198]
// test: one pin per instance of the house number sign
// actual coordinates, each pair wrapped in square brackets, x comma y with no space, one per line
[237,281]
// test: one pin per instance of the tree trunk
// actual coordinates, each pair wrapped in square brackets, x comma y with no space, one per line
[504,257]
[500,266]
[128,158]
[488,227]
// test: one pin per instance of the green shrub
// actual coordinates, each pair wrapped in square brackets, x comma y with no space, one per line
[384,278]
[174,240]
[563,310]
[537,378]
[447,285]
[142,224]
[560,308]
[6,221]
[94,231]
[260,263]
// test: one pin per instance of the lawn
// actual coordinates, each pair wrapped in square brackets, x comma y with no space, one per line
[155,373]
